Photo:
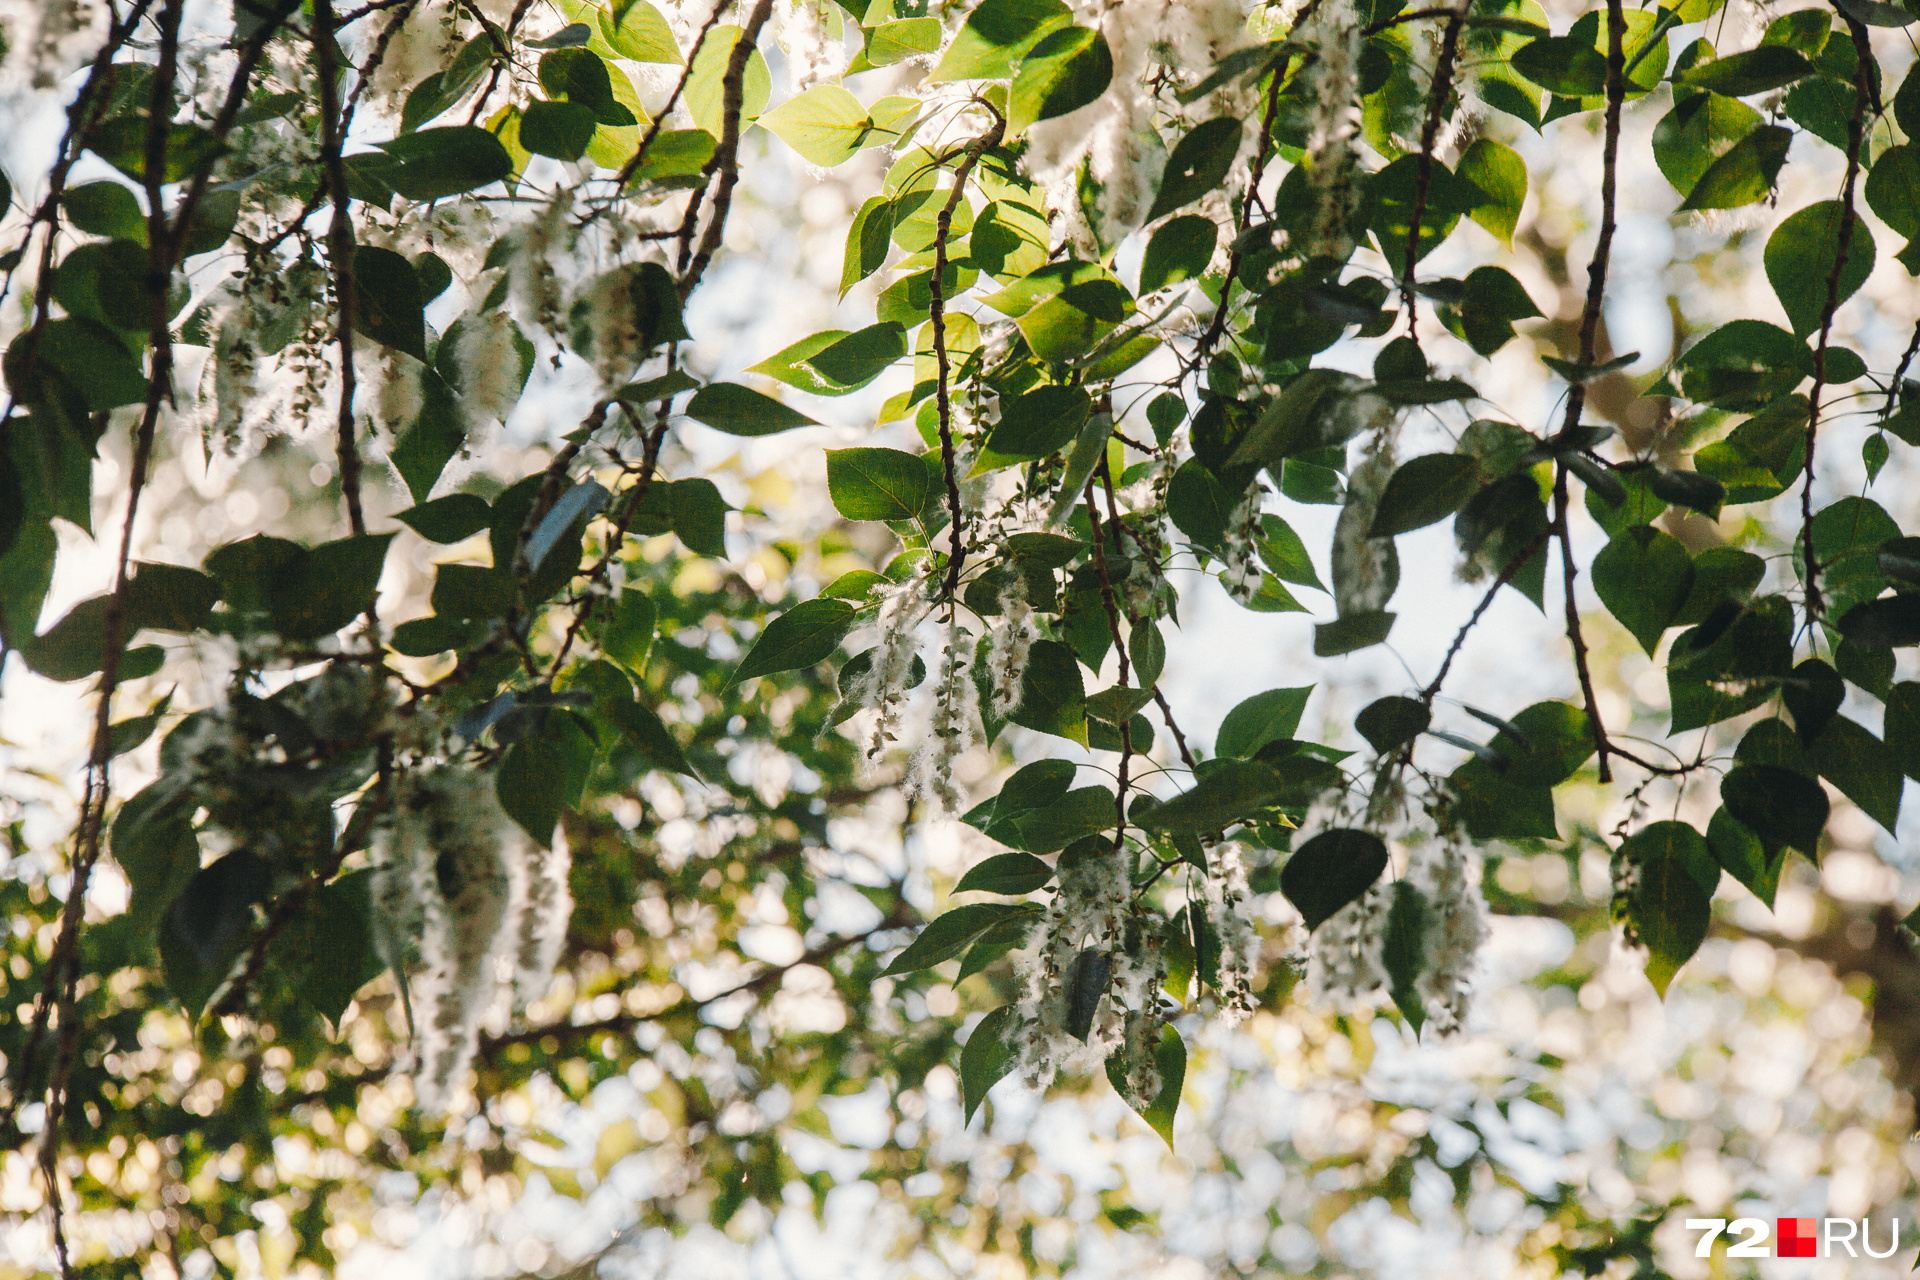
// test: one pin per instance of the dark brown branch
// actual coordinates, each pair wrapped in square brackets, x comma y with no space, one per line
[1843,240]
[1900,373]
[340,251]
[1512,567]
[1437,94]
[632,499]
[1218,325]
[943,401]
[632,166]
[66,967]
[1569,572]
[56,987]
[1609,201]
[1112,607]
[726,156]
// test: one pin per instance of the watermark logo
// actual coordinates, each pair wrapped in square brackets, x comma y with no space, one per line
[1799,1237]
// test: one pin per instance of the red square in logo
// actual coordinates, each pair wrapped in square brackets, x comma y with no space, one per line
[1797,1238]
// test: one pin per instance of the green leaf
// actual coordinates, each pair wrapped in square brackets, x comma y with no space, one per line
[582,79]
[1198,164]
[1180,250]
[1902,728]
[947,935]
[1700,129]
[1893,623]
[1404,951]
[1306,416]
[1330,871]
[1035,424]
[1199,505]
[1423,491]
[1492,302]
[1235,790]
[89,359]
[562,130]
[167,597]
[986,1060]
[992,945]
[470,592]
[705,94]
[1644,576]
[742,411]
[803,636]
[1670,908]
[637,31]
[1563,65]
[826,125]
[699,516]
[337,923]
[336,583]
[1053,698]
[1499,172]
[858,358]
[1746,173]
[1032,787]
[387,305]
[1847,537]
[532,785]
[792,364]
[1800,257]
[1743,857]
[1007,873]
[998,34]
[106,209]
[1068,69]
[1893,188]
[1861,766]
[628,637]
[892,42]
[876,484]
[1744,365]
[1068,325]
[1170,1059]
[1813,693]
[1282,551]
[426,447]
[566,520]
[1351,632]
[454,518]
[1081,812]
[1392,722]
[1492,807]
[435,163]
[1263,718]
[1781,806]
[122,143]
[1751,71]
[647,734]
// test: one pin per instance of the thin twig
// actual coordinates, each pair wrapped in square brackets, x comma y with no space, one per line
[943,229]
[1218,325]
[340,251]
[1108,602]
[1437,94]
[632,166]
[1569,571]
[725,162]
[1609,200]
[1843,240]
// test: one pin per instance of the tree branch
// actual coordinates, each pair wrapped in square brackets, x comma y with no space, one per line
[1843,240]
